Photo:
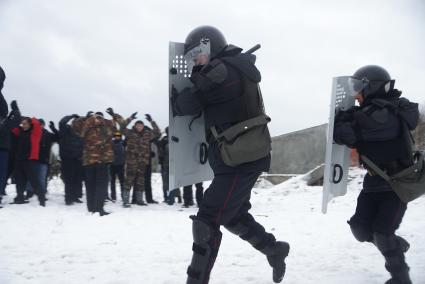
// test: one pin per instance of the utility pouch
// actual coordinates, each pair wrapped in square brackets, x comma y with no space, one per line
[244,142]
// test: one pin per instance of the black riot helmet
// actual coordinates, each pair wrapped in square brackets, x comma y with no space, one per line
[373,81]
[213,35]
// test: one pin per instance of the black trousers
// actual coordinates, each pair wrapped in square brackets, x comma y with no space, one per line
[148,183]
[116,171]
[72,175]
[96,180]
[165,182]
[28,172]
[226,202]
[188,194]
[380,212]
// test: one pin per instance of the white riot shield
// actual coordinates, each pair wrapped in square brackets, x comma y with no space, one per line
[337,160]
[187,144]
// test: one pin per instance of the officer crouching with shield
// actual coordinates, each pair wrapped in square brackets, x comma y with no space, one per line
[225,88]
[379,130]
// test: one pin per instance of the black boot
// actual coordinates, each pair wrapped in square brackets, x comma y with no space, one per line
[139,198]
[19,200]
[206,242]
[103,213]
[276,254]
[252,232]
[392,248]
[125,194]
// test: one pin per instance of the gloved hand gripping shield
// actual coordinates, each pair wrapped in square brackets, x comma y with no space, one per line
[188,163]
[194,52]
[337,159]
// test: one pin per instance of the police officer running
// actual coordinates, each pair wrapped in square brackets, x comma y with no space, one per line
[379,130]
[225,88]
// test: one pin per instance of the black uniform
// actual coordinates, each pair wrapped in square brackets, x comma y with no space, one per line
[378,133]
[218,92]
[71,153]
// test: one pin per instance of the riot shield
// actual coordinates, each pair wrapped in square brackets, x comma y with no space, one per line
[188,147]
[337,160]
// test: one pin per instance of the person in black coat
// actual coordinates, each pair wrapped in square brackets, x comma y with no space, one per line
[378,129]
[116,169]
[163,159]
[71,153]
[218,91]
[46,143]
[8,121]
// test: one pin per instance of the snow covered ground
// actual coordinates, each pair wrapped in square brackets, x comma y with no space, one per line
[61,244]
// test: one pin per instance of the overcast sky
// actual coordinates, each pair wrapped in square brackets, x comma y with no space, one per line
[63,57]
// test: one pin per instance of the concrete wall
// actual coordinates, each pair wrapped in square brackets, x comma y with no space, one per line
[299,152]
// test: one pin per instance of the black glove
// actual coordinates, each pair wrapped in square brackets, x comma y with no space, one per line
[90,113]
[52,126]
[110,111]
[134,115]
[14,106]
[75,116]
[344,116]
[148,117]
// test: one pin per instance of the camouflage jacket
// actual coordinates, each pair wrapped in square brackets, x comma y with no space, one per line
[97,135]
[138,144]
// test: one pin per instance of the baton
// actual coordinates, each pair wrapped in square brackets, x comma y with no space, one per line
[253,49]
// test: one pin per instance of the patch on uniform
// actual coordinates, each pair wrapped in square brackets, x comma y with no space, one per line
[218,72]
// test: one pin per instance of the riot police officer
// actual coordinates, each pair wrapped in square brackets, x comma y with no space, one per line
[378,129]
[225,88]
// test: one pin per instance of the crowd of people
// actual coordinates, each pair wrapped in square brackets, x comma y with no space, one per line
[94,150]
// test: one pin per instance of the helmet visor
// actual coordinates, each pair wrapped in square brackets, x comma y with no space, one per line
[356,85]
[192,55]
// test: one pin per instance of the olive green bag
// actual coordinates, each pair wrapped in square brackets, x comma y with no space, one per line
[409,183]
[244,142]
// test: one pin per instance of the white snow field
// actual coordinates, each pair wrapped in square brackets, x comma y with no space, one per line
[65,244]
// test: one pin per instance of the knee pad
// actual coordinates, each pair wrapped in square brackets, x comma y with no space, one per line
[391,249]
[206,243]
[362,233]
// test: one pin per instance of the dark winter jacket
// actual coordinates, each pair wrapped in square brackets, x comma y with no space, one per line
[3,105]
[46,143]
[4,110]
[217,92]
[7,123]
[119,153]
[28,142]
[377,132]
[163,151]
[70,144]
